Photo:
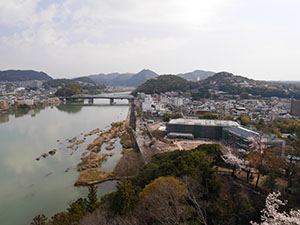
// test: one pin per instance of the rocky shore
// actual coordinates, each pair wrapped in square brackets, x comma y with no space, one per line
[90,173]
[89,166]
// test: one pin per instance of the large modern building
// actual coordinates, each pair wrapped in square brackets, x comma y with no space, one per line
[211,129]
[295,107]
[238,136]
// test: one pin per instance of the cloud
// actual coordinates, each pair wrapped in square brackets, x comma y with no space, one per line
[71,37]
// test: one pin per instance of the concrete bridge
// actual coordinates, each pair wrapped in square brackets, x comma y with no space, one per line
[91,98]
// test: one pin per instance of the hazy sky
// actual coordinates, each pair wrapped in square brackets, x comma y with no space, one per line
[66,38]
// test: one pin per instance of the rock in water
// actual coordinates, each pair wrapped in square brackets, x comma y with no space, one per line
[52,152]
[45,155]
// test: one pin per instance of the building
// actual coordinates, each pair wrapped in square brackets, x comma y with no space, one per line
[178,101]
[238,136]
[35,84]
[147,103]
[29,102]
[295,107]
[211,129]
[18,102]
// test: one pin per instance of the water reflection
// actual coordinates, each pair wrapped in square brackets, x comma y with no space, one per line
[25,188]
[4,118]
[69,108]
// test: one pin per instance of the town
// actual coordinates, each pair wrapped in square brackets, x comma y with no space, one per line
[25,93]
[250,140]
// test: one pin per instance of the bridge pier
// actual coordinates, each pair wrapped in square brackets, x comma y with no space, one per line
[111,101]
[91,101]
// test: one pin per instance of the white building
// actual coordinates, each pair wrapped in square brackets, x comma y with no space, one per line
[28,101]
[178,101]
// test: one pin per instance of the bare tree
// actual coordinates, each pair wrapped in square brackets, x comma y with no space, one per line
[194,194]
[163,200]
[95,218]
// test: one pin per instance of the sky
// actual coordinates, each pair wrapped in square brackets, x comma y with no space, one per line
[259,39]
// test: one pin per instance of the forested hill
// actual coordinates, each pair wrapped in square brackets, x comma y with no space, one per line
[196,75]
[236,85]
[165,83]
[23,75]
[225,82]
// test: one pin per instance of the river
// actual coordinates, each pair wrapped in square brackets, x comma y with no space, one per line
[29,187]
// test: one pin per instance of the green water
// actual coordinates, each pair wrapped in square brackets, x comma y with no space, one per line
[29,187]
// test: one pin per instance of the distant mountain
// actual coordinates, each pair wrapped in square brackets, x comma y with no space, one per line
[141,77]
[165,83]
[84,80]
[111,79]
[196,75]
[134,80]
[23,75]
[125,79]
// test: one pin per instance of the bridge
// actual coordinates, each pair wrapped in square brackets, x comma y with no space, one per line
[91,98]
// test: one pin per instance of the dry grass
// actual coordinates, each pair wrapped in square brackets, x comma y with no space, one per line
[129,165]
[93,176]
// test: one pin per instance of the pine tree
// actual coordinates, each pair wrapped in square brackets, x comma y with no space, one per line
[39,220]
[124,199]
[92,201]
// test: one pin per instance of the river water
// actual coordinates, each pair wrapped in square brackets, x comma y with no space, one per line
[29,187]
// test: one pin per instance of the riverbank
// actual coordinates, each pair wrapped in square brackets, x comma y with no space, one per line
[90,165]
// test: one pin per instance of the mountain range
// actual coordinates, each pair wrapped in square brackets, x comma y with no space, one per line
[134,80]
[111,79]
[23,75]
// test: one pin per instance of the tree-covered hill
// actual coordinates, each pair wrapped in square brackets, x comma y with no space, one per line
[23,75]
[196,75]
[68,87]
[84,80]
[55,83]
[232,84]
[165,83]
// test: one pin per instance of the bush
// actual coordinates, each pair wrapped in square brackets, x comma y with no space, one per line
[169,116]
[209,116]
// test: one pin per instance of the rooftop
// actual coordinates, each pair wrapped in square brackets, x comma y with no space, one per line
[243,132]
[222,123]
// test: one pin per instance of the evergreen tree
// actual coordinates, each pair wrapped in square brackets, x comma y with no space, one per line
[77,210]
[92,198]
[270,182]
[39,220]
[124,199]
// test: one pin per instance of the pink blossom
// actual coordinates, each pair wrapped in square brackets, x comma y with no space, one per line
[271,215]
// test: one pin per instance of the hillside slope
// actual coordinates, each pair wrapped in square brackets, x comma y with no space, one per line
[125,79]
[196,75]
[23,75]
[165,83]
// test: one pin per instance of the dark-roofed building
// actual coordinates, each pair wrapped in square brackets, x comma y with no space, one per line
[238,136]
[211,129]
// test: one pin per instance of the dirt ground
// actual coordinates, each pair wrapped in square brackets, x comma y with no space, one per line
[191,144]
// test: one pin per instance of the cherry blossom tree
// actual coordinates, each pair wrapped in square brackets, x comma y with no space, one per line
[257,154]
[272,216]
[234,160]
